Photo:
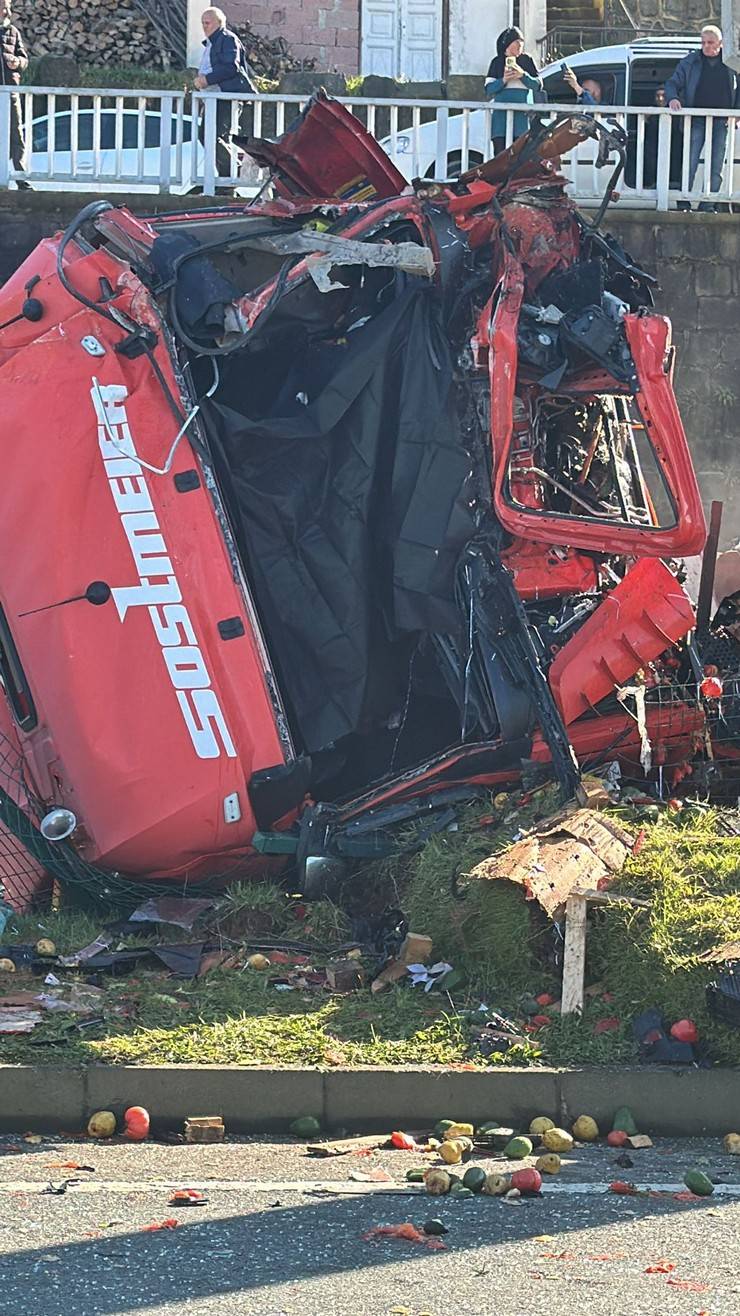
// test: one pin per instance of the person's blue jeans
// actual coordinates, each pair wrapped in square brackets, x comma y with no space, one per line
[719,139]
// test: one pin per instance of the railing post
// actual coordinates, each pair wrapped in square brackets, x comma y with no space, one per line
[4,138]
[440,158]
[209,145]
[663,168]
[165,143]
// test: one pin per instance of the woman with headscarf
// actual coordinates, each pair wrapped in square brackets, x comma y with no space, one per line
[512,76]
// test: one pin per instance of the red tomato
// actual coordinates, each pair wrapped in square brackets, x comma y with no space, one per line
[711,687]
[617,1138]
[527,1181]
[136,1121]
[685,1031]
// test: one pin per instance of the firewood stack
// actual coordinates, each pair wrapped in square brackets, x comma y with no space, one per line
[91,31]
[270,57]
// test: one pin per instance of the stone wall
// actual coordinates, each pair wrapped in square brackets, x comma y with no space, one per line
[327,31]
[696,259]
[669,15]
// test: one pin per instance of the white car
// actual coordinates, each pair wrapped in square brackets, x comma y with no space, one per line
[130,163]
[628,75]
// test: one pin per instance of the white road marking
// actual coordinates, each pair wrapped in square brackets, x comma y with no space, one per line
[332,1187]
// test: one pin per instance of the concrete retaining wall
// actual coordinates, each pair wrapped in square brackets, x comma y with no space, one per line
[261,1099]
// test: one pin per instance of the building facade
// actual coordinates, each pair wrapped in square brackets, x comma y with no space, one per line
[419,40]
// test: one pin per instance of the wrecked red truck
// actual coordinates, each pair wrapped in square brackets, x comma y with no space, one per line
[327,512]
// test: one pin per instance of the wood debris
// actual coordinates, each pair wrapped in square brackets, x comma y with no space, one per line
[577,852]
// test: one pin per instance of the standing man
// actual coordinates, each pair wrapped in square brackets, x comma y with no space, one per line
[703,81]
[223,67]
[13,62]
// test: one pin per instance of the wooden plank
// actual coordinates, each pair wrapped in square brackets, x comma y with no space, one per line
[574,958]
[348,1145]
[708,566]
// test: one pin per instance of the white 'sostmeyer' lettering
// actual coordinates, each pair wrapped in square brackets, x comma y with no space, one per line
[158,590]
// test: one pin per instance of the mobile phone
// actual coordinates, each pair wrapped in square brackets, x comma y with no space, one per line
[564,68]
[511,61]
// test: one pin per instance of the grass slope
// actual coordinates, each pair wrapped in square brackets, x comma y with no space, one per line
[501,946]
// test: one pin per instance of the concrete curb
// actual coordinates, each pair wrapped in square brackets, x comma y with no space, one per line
[683,1102]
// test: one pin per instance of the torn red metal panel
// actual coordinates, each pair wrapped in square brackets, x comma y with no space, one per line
[638,620]
[543,573]
[327,153]
[567,134]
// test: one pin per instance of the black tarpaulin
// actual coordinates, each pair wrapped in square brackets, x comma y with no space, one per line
[353,499]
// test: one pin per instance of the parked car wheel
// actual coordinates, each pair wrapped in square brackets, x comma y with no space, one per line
[454,164]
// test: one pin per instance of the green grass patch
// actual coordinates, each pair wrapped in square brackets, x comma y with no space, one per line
[501,946]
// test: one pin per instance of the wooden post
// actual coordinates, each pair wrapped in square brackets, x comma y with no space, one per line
[574,957]
[708,565]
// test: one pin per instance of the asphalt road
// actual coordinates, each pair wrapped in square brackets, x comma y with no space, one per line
[281,1235]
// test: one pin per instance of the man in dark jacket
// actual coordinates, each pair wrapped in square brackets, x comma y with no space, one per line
[223,67]
[13,62]
[703,81]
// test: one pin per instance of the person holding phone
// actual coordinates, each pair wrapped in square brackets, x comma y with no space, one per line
[512,77]
[589,92]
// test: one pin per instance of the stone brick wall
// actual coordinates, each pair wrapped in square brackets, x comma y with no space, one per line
[696,259]
[325,30]
[697,263]
[669,15]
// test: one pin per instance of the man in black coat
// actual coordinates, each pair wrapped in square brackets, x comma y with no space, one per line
[223,67]
[13,62]
[703,81]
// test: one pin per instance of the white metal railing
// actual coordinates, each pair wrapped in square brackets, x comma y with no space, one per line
[109,140]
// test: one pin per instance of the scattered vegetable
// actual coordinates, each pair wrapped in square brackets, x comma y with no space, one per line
[585,1129]
[136,1124]
[102,1124]
[557,1140]
[435,1227]
[698,1183]
[518,1148]
[474,1179]
[549,1163]
[624,1121]
[437,1182]
[540,1125]
[496,1185]
[306,1127]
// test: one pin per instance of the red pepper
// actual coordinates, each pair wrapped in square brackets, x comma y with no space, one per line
[622,1188]
[403,1142]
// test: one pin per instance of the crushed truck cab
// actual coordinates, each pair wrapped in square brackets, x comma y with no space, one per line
[334,510]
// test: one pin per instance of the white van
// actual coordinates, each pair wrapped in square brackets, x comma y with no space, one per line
[628,75]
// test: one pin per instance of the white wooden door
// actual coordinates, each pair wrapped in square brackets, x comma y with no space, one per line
[402,38]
